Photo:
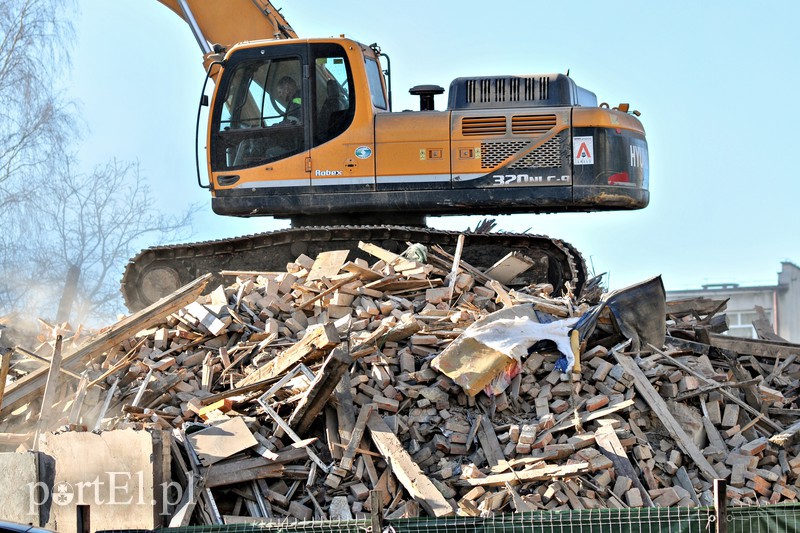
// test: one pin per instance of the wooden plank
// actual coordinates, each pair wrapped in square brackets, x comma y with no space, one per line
[396,261]
[520,505]
[278,471]
[489,443]
[51,386]
[721,505]
[454,270]
[333,288]
[327,264]
[407,284]
[239,473]
[364,273]
[543,473]
[142,388]
[680,344]
[376,510]
[13,439]
[123,363]
[785,436]
[509,267]
[317,340]
[317,395]
[654,400]
[448,261]
[292,435]
[610,446]
[106,404]
[588,416]
[355,438]
[759,348]
[29,387]
[80,395]
[345,408]
[5,363]
[332,433]
[764,329]
[22,351]
[416,483]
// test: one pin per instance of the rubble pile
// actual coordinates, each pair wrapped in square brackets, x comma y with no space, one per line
[418,387]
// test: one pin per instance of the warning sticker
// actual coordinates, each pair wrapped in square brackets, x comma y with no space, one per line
[583,150]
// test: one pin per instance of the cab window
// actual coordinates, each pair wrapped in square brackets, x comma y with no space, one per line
[334,98]
[262,116]
[374,76]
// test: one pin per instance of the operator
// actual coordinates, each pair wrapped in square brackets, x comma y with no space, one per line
[287,93]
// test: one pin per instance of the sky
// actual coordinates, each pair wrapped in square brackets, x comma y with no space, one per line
[716,84]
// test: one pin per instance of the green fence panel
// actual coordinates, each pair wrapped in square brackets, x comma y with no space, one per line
[768,519]
[645,520]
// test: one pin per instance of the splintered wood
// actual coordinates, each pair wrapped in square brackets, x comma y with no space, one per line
[344,386]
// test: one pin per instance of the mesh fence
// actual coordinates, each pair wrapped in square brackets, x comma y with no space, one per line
[647,520]
[768,519]
[327,526]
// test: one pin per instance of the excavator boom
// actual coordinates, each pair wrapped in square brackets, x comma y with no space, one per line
[213,22]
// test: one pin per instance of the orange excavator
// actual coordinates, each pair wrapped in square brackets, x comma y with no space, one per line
[303,129]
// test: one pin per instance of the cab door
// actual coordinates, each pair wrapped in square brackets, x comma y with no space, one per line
[260,129]
[342,145]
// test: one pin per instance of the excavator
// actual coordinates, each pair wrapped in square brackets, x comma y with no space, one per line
[302,128]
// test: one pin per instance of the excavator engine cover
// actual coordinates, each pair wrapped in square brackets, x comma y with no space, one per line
[502,92]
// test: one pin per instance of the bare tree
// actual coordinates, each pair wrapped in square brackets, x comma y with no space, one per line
[34,120]
[55,220]
[96,223]
[34,123]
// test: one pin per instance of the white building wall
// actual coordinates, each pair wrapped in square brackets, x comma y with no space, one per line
[789,302]
[781,303]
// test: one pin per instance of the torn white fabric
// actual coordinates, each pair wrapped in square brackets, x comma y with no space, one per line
[515,336]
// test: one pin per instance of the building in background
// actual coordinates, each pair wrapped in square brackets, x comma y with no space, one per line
[781,303]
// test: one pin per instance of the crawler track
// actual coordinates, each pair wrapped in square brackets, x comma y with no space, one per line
[157,271]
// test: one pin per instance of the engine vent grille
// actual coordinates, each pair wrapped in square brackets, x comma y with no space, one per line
[548,155]
[483,126]
[507,89]
[494,154]
[532,124]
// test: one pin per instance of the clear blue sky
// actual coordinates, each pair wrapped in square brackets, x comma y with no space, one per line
[716,83]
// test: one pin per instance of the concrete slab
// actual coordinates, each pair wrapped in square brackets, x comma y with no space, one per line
[19,475]
[113,480]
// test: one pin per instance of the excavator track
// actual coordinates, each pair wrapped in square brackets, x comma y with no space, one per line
[158,271]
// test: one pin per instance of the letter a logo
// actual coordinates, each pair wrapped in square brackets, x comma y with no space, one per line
[583,150]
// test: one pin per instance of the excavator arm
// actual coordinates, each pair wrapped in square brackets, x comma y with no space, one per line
[227,22]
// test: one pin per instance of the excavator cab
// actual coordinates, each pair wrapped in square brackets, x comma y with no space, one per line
[275,102]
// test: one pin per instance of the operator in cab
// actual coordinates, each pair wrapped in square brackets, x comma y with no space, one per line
[287,93]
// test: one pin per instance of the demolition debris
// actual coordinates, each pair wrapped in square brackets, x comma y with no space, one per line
[339,388]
